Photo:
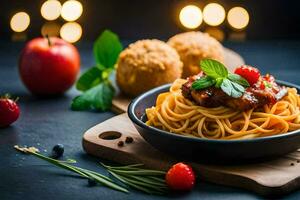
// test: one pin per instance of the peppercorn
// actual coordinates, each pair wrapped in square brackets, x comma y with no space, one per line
[57,151]
[120,143]
[129,139]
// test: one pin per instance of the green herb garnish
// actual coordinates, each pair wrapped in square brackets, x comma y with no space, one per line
[88,174]
[97,89]
[217,75]
[144,180]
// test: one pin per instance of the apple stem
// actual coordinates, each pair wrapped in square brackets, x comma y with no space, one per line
[49,41]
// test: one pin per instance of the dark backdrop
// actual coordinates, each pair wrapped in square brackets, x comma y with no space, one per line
[134,19]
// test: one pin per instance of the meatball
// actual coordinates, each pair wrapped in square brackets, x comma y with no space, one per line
[146,64]
[192,47]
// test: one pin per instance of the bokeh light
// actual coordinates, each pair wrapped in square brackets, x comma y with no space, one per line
[71,32]
[50,29]
[71,10]
[50,9]
[216,33]
[213,14]
[238,17]
[190,16]
[20,22]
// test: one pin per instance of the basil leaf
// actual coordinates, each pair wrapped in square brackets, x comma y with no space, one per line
[237,87]
[107,49]
[236,94]
[203,82]
[219,81]
[238,79]
[89,79]
[213,68]
[97,98]
[226,87]
[232,89]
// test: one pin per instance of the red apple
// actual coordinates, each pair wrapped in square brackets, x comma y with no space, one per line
[49,66]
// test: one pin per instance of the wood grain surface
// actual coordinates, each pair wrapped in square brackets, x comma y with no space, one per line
[273,178]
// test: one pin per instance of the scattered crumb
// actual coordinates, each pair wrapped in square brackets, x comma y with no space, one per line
[129,139]
[26,149]
[120,143]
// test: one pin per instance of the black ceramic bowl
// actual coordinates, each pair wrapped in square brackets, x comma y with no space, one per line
[209,150]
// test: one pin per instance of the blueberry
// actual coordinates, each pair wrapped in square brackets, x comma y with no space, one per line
[57,151]
[92,182]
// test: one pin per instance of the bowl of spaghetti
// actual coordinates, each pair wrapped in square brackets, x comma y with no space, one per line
[243,117]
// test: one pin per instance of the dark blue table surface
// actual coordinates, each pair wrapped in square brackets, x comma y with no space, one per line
[46,122]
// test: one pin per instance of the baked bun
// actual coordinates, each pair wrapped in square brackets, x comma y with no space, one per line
[192,47]
[146,64]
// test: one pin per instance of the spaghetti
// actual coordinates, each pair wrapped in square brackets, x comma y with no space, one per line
[175,113]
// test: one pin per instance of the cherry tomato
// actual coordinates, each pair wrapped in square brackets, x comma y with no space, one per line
[251,74]
[180,177]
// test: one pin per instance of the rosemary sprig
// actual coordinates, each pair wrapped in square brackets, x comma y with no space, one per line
[104,180]
[148,181]
[137,187]
[145,180]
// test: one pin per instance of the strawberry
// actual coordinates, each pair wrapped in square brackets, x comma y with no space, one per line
[180,177]
[251,74]
[9,111]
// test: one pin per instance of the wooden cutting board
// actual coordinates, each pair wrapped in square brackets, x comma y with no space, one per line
[274,177]
[232,60]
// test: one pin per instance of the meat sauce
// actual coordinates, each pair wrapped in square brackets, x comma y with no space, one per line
[265,91]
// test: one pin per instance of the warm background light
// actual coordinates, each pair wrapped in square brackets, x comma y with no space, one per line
[213,14]
[20,22]
[50,29]
[71,32]
[216,33]
[50,9]
[190,16]
[71,10]
[238,17]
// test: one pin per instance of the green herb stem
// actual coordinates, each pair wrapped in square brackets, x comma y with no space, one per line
[138,187]
[142,184]
[160,180]
[82,172]
[143,181]
[141,172]
[105,182]
[133,166]
[59,164]
[95,173]
[148,180]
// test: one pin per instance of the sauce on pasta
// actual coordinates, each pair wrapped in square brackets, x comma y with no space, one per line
[177,114]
